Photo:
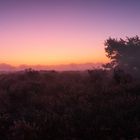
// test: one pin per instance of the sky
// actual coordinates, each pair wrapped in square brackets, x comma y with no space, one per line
[54,32]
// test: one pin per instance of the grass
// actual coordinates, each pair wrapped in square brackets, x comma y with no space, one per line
[37,105]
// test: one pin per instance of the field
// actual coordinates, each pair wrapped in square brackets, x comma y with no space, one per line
[72,105]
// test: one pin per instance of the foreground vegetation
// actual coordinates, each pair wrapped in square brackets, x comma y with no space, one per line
[68,106]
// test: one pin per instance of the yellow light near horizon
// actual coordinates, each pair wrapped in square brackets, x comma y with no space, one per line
[55,60]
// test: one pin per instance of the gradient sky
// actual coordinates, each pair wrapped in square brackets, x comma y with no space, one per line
[63,31]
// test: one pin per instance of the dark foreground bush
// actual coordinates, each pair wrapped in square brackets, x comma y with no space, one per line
[68,106]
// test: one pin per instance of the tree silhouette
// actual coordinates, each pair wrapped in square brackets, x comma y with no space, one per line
[124,54]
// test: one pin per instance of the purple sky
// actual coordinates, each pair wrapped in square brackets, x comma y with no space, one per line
[63,31]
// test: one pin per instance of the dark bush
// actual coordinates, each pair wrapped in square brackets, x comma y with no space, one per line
[68,106]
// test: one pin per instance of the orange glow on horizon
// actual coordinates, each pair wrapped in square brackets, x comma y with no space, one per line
[32,61]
